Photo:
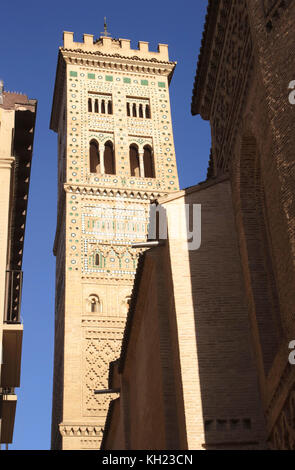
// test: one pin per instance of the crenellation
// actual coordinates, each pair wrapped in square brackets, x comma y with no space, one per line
[163,51]
[143,46]
[68,39]
[88,39]
[107,45]
[125,44]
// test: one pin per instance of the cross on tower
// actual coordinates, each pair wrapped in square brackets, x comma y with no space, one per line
[105,33]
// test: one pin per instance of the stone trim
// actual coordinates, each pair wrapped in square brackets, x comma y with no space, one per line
[77,430]
[111,193]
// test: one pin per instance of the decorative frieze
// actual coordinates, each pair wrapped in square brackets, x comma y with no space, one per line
[76,430]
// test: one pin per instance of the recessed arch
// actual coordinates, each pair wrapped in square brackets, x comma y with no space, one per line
[126,304]
[140,111]
[134,160]
[148,162]
[147,111]
[94,304]
[134,113]
[109,158]
[94,157]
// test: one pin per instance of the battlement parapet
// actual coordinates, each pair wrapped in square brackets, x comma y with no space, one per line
[110,45]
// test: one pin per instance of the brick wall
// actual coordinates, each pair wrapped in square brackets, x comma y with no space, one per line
[188,379]
[251,45]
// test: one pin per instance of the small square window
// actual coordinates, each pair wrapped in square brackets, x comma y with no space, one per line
[91,75]
[109,78]
[161,84]
[73,74]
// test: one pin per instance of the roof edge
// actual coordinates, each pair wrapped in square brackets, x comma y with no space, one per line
[203,58]
[60,67]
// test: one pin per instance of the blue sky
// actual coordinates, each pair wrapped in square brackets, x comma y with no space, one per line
[29,38]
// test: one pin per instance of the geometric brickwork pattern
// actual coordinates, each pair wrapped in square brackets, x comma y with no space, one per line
[99,354]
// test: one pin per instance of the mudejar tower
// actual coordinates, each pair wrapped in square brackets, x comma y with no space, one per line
[111,112]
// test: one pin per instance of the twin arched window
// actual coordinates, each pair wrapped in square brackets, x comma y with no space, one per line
[103,164]
[102,160]
[141,164]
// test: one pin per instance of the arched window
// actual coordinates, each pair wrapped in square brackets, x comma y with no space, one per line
[94,304]
[128,109]
[89,105]
[110,107]
[134,110]
[96,106]
[109,160]
[126,304]
[134,161]
[147,112]
[103,108]
[97,260]
[140,111]
[148,162]
[94,160]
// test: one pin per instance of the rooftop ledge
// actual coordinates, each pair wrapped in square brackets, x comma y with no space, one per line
[110,45]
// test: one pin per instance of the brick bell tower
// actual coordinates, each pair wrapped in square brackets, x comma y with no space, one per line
[111,112]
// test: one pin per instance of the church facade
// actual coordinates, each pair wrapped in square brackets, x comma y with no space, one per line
[243,85]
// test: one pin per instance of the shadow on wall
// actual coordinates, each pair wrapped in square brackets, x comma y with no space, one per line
[230,403]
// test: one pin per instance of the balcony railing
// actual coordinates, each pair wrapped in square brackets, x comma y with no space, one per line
[14,280]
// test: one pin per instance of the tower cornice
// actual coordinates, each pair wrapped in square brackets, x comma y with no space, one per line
[124,59]
[93,190]
[118,62]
